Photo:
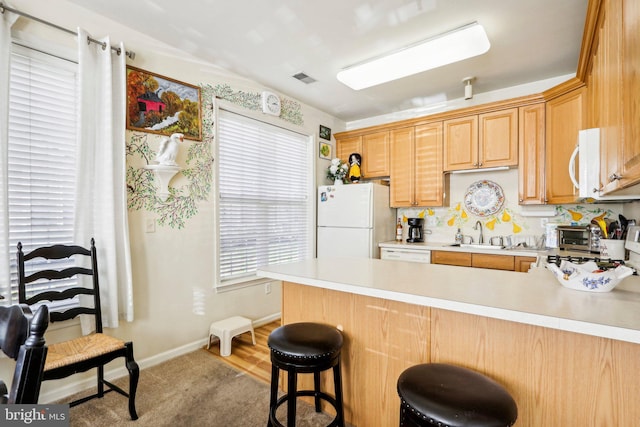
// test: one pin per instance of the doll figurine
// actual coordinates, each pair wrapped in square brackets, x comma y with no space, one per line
[354,167]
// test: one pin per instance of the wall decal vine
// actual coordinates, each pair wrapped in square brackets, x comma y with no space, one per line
[182,202]
[291,111]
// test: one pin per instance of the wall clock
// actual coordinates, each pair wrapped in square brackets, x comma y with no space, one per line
[270,103]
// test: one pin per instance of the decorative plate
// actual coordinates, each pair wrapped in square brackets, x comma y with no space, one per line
[484,198]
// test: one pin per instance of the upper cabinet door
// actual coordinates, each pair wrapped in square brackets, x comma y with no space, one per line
[531,161]
[346,146]
[402,168]
[375,154]
[565,118]
[461,143]
[630,156]
[431,187]
[498,139]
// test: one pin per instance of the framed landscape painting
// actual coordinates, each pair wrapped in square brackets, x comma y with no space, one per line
[162,105]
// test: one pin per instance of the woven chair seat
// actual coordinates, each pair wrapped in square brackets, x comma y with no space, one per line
[80,349]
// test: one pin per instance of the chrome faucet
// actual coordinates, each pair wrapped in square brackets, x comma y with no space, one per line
[475,227]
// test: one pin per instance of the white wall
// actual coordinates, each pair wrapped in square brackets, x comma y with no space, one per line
[174,299]
[632,211]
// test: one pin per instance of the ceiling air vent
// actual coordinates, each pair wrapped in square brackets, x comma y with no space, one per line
[304,78]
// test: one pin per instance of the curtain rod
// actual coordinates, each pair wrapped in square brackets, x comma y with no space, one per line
[4,7]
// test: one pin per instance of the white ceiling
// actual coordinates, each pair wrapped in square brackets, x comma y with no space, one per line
[271,40]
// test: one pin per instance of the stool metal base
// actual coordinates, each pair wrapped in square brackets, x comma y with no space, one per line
[305,348]
[317,394]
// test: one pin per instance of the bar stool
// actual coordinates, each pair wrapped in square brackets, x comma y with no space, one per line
[452,396]
[305,348]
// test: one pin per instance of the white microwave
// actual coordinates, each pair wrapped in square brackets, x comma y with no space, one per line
[588,153]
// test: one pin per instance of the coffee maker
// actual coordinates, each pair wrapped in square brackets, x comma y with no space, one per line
[415,234]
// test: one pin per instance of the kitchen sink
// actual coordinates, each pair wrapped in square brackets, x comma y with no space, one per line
[478,246]
[486,246]
[481,246]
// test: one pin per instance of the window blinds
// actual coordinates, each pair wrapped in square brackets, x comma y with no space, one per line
[41,154]
[264,202]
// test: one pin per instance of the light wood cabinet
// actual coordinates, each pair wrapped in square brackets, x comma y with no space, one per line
[346,146]
[481,141]
[604,92]
[495,262]
[565,117]
[544,369]
[531,163]
[523,263]
[614,83]
[630,153]
[375,155]
[480,260]
[498,138]
[461,143]
[416,174]
[369,399]
[374,149]
[402,182]
[462,259]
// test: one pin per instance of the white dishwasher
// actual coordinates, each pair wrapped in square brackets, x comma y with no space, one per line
[406,254]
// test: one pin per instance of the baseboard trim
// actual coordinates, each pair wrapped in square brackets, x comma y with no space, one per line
[267,319]
[87,383]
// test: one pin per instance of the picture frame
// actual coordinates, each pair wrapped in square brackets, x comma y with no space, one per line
[162,105]
[324,151]
[325,133]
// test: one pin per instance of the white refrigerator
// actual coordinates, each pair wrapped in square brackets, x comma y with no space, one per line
[353,219]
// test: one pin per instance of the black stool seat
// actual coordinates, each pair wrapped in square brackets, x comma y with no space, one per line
[452,396]
[305,348]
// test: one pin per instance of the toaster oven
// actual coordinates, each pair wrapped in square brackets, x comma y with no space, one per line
[579,238]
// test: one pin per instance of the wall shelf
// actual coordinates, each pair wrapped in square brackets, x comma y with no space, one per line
[163,174]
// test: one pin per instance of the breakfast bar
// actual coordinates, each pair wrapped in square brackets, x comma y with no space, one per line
[568,357]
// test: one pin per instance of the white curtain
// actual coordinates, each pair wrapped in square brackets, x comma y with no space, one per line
[6,21]
[101,192]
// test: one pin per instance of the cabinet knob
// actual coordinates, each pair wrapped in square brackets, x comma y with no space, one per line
[521,200]
[614,177]
[479,164]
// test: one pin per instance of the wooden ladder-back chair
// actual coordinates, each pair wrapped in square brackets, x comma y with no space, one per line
[86,352]
[22,339]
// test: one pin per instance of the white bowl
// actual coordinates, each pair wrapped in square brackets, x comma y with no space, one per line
[587,277]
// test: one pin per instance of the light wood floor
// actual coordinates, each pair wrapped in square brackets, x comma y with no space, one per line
[254,360]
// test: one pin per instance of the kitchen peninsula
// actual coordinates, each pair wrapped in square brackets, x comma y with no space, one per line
[568,357]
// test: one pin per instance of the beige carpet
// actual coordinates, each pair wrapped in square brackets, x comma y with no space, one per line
[192,390]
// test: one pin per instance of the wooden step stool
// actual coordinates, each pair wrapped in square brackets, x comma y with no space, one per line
[227,329]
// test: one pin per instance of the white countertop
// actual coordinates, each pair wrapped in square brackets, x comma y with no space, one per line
[534,298]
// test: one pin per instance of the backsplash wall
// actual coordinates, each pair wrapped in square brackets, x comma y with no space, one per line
[511,220]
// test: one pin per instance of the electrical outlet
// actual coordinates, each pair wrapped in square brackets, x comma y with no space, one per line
[150,226]
[267,288]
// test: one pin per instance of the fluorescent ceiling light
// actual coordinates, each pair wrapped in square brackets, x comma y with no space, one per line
[453,46]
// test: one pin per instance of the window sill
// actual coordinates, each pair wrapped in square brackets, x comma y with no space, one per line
[241,284]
